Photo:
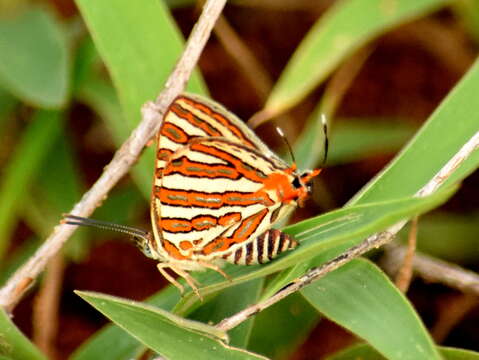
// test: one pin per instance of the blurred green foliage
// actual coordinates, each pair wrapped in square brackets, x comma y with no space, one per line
[48,68]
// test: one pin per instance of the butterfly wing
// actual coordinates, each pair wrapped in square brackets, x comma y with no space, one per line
[213,198]
[192,116]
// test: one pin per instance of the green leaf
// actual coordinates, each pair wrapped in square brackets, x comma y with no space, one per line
[468,12]
[452,124]
[45,202]
[140,44]
[359,297]
[436,230]
[364,351]
[34,59]
[13,344]
[22,169]
[356,139]
[229,302]
[169,335]
[115,341]
[286,324]
[346,27]
[320,234]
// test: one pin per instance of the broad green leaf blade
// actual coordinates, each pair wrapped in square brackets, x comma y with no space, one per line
[453,123]
[351,140]
[34,59]
[366,352]
[229,302]
[170,336]
[118,343]
[359,297]
[437,229]
[22,168]
[320,234]
[13,344]
[334,37]
[356,139]
[140,44]
[286,325]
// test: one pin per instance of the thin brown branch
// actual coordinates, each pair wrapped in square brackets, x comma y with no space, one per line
[46,306]
[123,159]
[436,271]
[404,276]
[342,79]
[241,54]
[373,241]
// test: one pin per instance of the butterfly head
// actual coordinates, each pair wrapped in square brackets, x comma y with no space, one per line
[143,243]
[302,185]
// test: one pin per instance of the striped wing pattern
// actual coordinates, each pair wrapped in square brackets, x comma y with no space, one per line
[208,199]
[217,191]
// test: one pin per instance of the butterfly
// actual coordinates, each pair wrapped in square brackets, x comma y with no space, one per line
[217,192]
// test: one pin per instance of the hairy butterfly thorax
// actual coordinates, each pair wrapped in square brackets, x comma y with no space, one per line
[217,192]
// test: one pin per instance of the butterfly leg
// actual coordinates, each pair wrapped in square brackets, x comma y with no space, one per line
[215,268]
[189,279]
[170,278]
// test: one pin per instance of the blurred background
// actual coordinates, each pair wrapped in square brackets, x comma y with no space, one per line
[61,123]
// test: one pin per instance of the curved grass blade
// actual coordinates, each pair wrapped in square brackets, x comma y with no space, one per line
[229,302]
[22,168]
[334,37]
[452,124]
[169,335]
[13,344]
[364,351]
[117,342]
[286,325]
[361,298]
[34,59]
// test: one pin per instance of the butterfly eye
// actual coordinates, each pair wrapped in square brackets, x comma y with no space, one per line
[297,183]
[143,245]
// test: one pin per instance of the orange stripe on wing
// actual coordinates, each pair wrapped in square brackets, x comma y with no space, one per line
[186,167]
[193,120]
[176,225]
[174,133]
[210,200]
[248,172]
[171,249]
[221,119]
[199,223]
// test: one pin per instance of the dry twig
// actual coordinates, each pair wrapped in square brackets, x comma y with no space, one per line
[123,159]
[373,241]
[404,277]
[46,307]
[435,270]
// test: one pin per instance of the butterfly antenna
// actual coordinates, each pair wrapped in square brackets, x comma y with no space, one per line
[285,139]
[324,121]
[81,221]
